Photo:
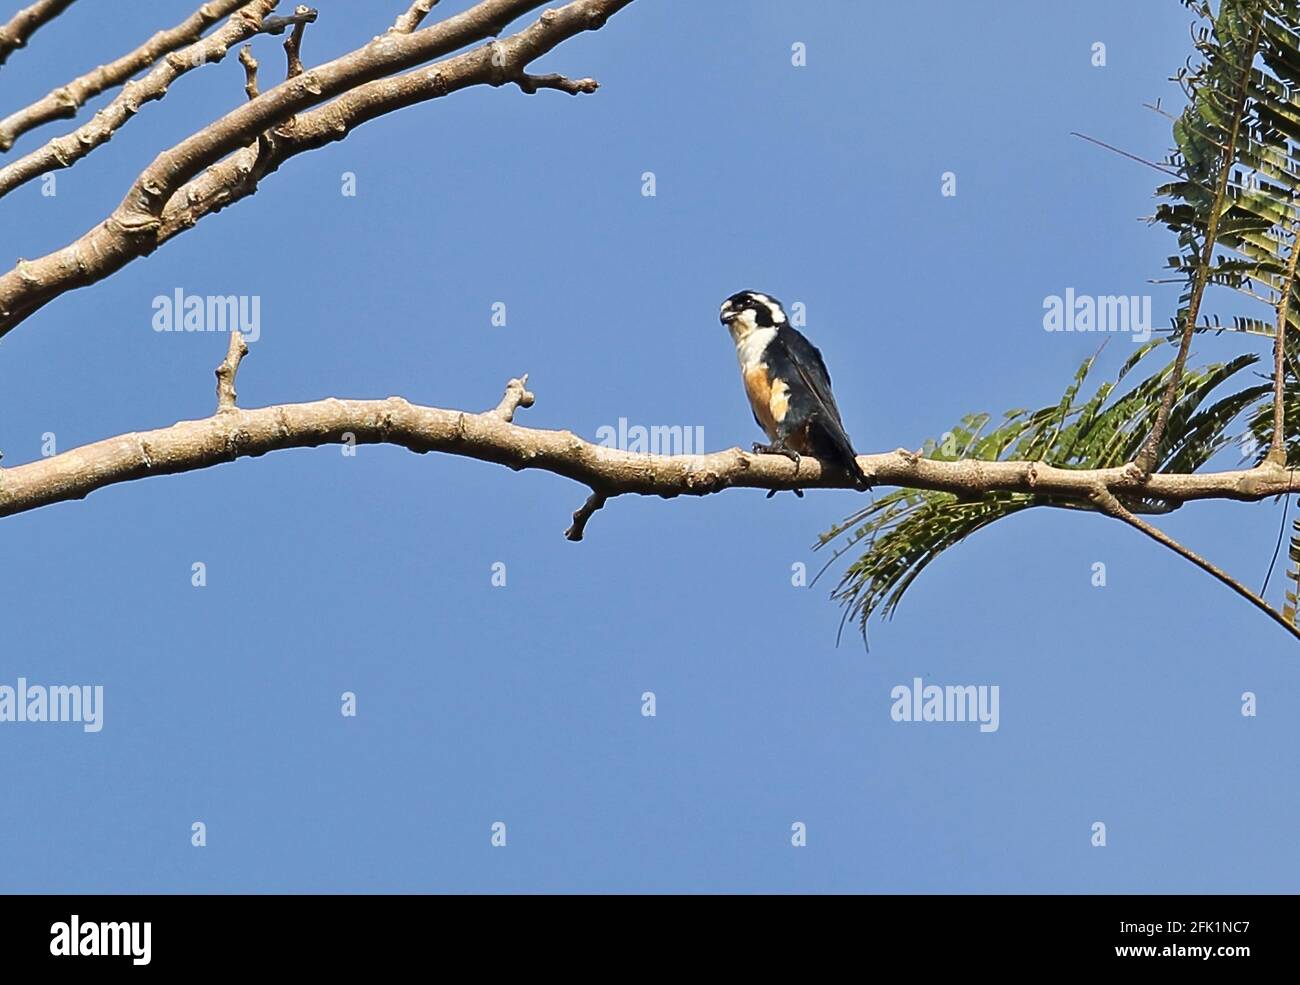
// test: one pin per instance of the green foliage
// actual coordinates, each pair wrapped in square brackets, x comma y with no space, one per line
[1235,152]
[1233,209]
[905,530]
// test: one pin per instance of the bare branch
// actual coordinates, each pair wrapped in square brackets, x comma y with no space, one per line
[517,395]
[226,393]
[583,513]
[237,177]
[384,55]
[159,205]
[24,24]
[302,16]
[492,436]
[1112,506]
[249,62]
[531,83]
[64,101]
[410,20]
[67,150]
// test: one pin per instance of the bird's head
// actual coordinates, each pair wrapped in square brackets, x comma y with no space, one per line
[746,311]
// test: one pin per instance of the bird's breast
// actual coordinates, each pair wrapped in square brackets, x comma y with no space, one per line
[768,396]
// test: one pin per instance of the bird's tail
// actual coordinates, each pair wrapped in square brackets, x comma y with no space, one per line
[840,450]
[835,445]
[860,477]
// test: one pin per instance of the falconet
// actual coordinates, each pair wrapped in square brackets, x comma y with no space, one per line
[788,386]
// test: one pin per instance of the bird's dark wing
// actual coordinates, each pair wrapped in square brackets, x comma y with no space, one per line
[806,364]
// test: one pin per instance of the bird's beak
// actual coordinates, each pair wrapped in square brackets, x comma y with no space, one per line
[729,315]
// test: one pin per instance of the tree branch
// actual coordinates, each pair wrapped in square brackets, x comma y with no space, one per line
[302,16]
[64,101]
[249,61]
[492,436]
[583,513]
[226,393]
[410,20]
[517,395]
[1112,506]
[67,150]
[160,204]
[531,83]
[238,176]
[26,22]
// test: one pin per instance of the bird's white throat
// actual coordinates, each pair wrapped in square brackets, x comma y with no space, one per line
[751,342]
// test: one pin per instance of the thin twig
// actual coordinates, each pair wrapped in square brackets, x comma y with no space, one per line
[226,393]
[584,513]
[302,16]
[1140,160]
[410,20]
[517,395]
[531,83]
[1277,547]
[20,28]
[1107,502]
[250,71]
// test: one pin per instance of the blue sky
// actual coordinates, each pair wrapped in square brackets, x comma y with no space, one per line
[522,704]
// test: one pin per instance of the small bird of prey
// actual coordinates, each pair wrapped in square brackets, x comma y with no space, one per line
[788,386]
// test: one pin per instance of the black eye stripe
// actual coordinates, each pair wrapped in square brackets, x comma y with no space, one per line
[764,307]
